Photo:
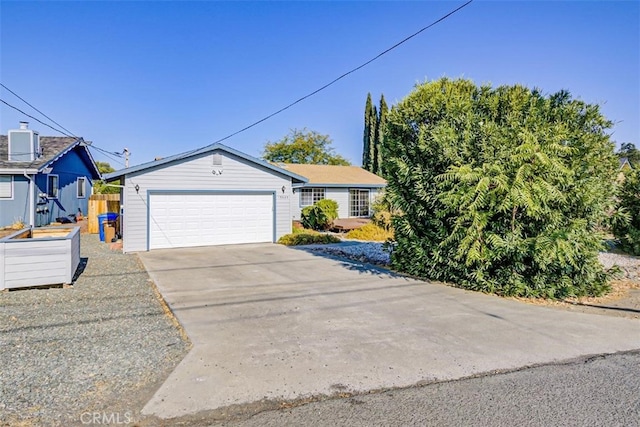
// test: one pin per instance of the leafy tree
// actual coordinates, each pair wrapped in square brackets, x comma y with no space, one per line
[366,138]
[100,187]
[630,151]
[501,189]
[303,146]
[627,226]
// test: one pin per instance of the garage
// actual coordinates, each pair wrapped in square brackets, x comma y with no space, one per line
[211,196]
[185,219]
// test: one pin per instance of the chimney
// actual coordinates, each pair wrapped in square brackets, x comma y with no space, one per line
[24,144]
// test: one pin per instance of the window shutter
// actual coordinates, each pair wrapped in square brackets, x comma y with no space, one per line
[6,187]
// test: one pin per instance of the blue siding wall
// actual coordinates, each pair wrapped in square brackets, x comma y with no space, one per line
[68,168]
[18,207]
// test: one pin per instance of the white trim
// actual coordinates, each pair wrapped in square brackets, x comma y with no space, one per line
[14,171]
[57,189]
[360,200]
[32,201]
[11,188]
[312,190]
[84,187]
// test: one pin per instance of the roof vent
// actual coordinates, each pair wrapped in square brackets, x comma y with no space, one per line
[24,144]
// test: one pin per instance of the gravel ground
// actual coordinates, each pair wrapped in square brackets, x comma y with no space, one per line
[103,345]
[369,252]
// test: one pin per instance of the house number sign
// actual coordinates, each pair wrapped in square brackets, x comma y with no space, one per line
[216,172]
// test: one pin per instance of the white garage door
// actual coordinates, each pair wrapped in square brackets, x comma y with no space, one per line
[183,220]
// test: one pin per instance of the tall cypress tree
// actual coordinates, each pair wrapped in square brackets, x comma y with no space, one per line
[366,139]
[373,129]
[380,124]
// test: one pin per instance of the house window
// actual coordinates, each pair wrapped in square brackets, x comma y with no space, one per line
[52,186]
[308,196]
[6,187]
[82,182]
[358,202]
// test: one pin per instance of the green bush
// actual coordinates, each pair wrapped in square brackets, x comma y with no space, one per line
[370,232]
[502,190]
[320,216]
[626,226]
[307,238]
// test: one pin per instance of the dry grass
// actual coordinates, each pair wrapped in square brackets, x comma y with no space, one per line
[304,238]
[371,233]
[302,230]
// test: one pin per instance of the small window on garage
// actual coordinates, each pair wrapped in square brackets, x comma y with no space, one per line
[6,187]
[52,186]
[82,185]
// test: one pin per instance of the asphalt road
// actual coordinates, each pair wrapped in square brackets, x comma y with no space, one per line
[598,391]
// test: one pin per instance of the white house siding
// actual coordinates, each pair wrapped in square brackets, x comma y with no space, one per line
[196,174]
[17,207]
[339,194]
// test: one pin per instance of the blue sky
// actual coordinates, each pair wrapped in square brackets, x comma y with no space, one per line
[165,77]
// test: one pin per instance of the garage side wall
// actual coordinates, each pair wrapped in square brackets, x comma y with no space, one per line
[200,173]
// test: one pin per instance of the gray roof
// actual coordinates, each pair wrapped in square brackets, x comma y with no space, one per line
[53,147]
[193,153]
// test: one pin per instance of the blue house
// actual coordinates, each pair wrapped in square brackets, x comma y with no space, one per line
[43,178]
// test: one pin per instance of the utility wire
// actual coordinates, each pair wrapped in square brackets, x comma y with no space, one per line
[344,75]
[36,119]
[27,102]
[437,21]
[113,153]
[109,154]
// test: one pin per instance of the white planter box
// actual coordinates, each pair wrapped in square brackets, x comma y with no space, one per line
[41,256]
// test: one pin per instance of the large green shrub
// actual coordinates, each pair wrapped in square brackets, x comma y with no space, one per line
[627,226]
[320,215]
[501,189]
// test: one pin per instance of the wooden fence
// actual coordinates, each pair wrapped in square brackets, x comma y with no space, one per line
[99,204]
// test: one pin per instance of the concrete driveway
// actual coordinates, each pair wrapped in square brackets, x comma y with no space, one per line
[271,322]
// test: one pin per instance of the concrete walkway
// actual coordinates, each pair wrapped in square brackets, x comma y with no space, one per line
[271,322]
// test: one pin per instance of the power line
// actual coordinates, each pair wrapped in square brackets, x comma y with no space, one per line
[70,134]
[345,74]
[36,119]
[103,150]
[332,82]
[108,154]
[27,102]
